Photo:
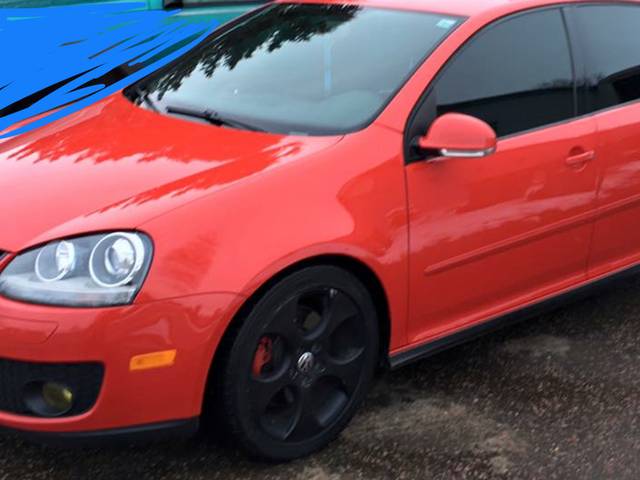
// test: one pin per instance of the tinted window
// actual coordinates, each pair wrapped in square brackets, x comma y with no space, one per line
[611,37]
[304,68]
[516,75]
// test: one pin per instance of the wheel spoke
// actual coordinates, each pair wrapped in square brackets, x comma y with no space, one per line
[306,423]
[348,371]
[285,322]
[263,391]
[338,309]
[332,407]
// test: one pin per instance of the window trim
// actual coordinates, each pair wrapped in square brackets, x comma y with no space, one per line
[578,71]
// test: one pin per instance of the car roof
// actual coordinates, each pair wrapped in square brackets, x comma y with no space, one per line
[464,8]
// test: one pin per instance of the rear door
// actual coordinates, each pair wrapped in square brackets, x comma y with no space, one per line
[610,38]
[489,235]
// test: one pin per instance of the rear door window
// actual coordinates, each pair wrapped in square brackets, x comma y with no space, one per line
[611,40]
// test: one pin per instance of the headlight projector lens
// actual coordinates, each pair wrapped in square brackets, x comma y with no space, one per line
[116,259]
[55,261]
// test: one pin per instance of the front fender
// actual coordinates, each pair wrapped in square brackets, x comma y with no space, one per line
[348,200]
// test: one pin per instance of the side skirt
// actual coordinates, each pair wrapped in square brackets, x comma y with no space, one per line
[431,348]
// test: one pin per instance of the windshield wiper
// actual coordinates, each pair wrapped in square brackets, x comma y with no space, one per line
[144,96]
[212,117]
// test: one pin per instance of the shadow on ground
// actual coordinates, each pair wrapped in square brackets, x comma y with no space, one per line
[555,397]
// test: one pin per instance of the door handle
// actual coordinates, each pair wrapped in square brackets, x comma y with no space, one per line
[581,159]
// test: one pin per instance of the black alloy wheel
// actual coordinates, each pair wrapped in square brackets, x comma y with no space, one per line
[300,364]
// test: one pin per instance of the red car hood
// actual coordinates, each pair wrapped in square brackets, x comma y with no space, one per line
[114,165]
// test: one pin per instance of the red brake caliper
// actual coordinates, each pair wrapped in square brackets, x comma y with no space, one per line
[263,355]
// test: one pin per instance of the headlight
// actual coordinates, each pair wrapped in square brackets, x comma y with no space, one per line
[92,271]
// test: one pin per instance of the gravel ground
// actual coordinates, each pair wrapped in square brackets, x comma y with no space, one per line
[555,397]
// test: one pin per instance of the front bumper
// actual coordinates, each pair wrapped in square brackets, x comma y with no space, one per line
[129,401]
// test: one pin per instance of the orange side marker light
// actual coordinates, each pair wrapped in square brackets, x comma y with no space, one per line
[149,361]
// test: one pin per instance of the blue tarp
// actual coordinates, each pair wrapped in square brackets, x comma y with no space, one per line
[73,56]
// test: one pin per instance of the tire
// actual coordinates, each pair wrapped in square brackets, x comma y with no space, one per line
[288,388]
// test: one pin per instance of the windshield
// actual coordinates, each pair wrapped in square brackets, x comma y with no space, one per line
[300,68]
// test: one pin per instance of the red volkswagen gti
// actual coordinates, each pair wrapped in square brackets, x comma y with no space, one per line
[316,191]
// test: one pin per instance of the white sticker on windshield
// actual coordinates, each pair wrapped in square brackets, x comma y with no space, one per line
[446,23]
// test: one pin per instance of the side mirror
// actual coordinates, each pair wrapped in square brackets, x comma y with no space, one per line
[459,136]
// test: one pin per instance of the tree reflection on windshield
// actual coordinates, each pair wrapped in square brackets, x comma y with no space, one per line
[309,69]
[293,24]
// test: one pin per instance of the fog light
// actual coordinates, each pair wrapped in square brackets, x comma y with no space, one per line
[58,397]
[49,399]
